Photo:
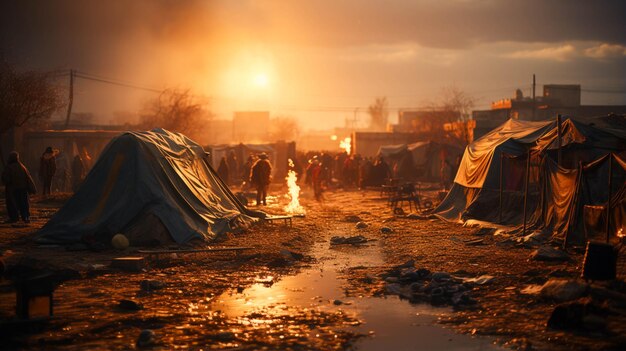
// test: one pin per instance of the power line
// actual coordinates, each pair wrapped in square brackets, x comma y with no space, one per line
[118,83]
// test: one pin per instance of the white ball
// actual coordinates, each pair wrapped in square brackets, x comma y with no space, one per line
[120,242]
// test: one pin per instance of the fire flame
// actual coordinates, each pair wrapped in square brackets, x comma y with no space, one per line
[294,192]
[346,144]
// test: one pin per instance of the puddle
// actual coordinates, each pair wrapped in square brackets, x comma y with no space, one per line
[394,324]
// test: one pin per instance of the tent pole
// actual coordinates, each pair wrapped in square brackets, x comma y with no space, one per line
[500,210]
[559,134]
[526,188]
[608,204]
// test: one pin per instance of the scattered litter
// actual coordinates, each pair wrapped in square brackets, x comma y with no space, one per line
[482,280]
[532,289]
[547,253]
[291,255]
[563,290]
[386,230]
[352,240]
[475,242]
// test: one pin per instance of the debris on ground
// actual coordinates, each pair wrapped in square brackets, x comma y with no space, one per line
[130,305]
[352,219]
[361,225]
[548,253]
[386,230]
[351,240]
[563,290]
[150,285]
[146,338]
[421,285]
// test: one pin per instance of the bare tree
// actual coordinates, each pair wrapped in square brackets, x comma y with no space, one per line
[177,111]
[454,99]
[284,128]
[25,97]
[379,113]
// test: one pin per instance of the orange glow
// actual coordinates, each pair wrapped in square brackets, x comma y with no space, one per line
[346,144]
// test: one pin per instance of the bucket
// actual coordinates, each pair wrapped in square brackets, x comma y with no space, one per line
[600,262]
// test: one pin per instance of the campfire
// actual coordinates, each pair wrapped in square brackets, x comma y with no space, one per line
[294,206]
[346,144]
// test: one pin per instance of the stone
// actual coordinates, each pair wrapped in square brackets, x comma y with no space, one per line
[291,255]
[386,230]
[441,276]
[337,302]
[146,338]
[149,285]
[407,264]
[130,305]
[567,316]
[594,322]
[352,218]
[547,253]
[563,290]
[361,225]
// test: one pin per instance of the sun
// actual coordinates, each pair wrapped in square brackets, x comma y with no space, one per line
[261,80]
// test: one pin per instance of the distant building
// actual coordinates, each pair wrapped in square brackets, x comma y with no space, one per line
[251,126]
[563,99]
[423,121]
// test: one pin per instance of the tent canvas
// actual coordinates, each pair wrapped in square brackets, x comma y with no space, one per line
[426,156]
[554,191]
[148,177]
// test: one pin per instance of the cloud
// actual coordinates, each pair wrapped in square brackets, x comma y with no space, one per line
[560,53]
[605,51]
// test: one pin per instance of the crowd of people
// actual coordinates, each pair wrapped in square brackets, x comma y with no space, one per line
[19,184]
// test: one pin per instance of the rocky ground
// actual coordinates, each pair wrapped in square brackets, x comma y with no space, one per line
[489,281]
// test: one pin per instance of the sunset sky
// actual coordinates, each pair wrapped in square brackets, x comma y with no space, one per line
[319,60]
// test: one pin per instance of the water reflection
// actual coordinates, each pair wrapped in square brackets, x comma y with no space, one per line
[392,323]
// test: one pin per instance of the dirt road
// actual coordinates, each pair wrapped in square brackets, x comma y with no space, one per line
[295,290]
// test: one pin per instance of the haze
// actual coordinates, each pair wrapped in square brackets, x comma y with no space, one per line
[319,60]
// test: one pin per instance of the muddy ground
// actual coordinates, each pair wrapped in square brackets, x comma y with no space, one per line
[184,314]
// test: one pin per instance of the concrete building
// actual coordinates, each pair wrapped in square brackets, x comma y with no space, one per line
[563,99]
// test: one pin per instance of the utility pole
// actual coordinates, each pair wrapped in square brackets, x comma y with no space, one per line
[534,100]
[71,100]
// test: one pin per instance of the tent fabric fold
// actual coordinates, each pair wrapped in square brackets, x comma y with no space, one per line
[561,198]
[156,173]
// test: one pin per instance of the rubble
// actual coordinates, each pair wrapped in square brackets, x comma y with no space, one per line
[547,253]
[420,285]
[352,240]
[563,290]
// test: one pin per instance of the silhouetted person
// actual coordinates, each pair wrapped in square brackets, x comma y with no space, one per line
[78,172]
[223,171]
[18,185]
[233,167]
[260,177]
[47,168]
[316,178]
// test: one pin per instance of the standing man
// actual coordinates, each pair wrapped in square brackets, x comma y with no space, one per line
[260,176]
[18,185]
[47,168]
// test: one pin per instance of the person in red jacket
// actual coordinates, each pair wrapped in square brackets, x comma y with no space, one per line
[260,177]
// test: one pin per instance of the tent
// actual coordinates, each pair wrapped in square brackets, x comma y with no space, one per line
[153,186]
[491,182]
[426,156]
